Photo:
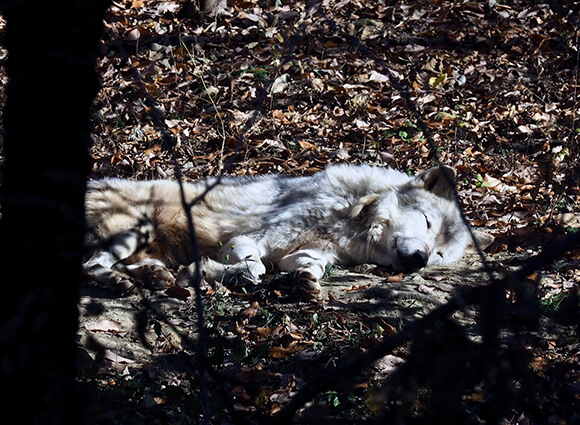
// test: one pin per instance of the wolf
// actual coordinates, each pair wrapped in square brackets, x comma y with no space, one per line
[344,215]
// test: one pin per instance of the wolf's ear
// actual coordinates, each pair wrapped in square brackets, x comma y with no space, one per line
[483,240]
[438,180]
[362,203]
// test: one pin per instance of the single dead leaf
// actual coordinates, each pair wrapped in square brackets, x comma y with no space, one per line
[306,145]
[133,35]
[153,150]
[172,123]
[279,115]
[438,81]
[377,76]
[178,292]
[252,376]
[252,310]
[538,365]
[280,84]
[425,289]
[476,397]
[388,364]
[263,333]
[428,98]
[394,278]
[280,352]
[107,326]
[354,288]
[296,336]
[568,219]
[240,392]
[117,358]
[497,185]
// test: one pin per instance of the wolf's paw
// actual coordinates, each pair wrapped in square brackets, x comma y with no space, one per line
[308,285]
[150,272]
[118,281]
[236,277]
[211,270]
[240,273]
[158,276]
[186,276]
[122,284]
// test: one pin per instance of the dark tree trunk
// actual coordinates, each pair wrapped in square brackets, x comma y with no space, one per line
[52,50]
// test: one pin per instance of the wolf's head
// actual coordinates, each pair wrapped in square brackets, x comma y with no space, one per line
[416,224]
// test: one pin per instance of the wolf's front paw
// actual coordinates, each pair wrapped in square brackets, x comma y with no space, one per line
[118,281]
[122,284]
[159,276]
[308,285]
[240,273]
[236,277]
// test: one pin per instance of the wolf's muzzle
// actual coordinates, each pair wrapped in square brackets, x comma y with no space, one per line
[414,261]
[411,254]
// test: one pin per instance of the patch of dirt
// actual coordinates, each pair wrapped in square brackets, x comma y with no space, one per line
[265,342]
[134,327]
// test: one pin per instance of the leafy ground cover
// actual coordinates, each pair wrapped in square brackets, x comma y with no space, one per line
[289,87]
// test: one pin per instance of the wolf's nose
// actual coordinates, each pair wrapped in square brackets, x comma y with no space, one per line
[413,261]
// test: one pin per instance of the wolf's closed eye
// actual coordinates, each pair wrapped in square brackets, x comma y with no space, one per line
[427,221]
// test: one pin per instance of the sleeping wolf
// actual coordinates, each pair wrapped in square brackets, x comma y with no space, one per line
[346,214]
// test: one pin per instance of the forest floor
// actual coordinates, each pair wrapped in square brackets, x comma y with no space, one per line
[290,87]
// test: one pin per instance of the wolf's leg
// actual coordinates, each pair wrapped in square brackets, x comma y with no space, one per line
[150,270]
[309,265]
[99,269]
[100,266]
[240,256]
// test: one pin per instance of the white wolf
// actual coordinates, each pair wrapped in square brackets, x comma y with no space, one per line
[346,214]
